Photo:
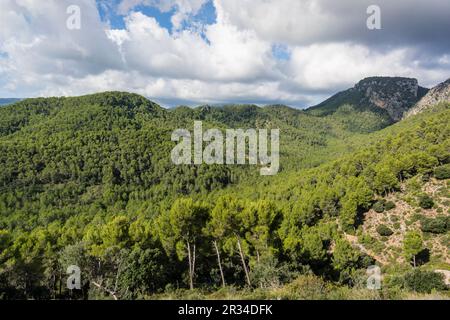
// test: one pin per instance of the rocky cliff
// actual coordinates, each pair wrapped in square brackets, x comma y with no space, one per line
[390,95]
[395,95]
[440,93]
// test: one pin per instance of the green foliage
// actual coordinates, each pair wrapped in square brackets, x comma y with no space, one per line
[425,201]
[389,205]
[182,225]
[308,287]
[89,181]
[225,224]
[384,231]
[378,206]
[412,245]
[269,273]
[345,257]
[442,172]
[424,281]
[146,271]
[260,222]
[440,224]
[364,121]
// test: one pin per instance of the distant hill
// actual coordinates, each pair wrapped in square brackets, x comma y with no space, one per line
[5,101]
[388,97]
[440,93]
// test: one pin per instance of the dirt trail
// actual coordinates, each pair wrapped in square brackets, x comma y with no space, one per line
[354,241]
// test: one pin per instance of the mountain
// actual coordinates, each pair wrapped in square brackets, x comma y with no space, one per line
[89,181]
[5,101]
[389,97]
[440,93]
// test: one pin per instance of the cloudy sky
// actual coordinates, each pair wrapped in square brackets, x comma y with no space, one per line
[295,52]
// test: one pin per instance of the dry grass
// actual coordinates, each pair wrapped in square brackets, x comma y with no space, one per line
[404,218]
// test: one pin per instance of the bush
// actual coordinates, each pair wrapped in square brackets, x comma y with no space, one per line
[267,273]
[438,225]
[442,172]
[308,287]
[365,239]
[426,176]
[424,281]
[389,205]
[378,206]
[384,231]
[426,202]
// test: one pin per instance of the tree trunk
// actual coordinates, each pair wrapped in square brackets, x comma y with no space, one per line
[243,262]
[191,281]
[193,266]
[414,260]
[60,283]
[111,292]
[220,263]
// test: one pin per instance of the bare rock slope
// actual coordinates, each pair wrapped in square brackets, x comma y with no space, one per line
[440,93]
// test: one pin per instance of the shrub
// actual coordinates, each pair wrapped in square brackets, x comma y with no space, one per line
[384,231]
[389,205]
[307,287]
[438,225]
[442,172]
[426,202]
[424,281]
[426,176]
[365,239]
[394,218]
[267,273]
[378,206]
[417,217]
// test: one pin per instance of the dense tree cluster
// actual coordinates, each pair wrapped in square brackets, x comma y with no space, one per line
[88,181]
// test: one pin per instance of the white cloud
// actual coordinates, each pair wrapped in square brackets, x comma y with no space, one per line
[314,21]
[183,8]
[37,43]
[325,66]
[39,56]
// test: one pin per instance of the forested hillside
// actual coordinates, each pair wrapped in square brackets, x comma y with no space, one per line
[88,181]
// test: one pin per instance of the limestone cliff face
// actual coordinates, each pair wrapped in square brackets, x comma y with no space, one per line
[391,96]
[440,93]
[394,94]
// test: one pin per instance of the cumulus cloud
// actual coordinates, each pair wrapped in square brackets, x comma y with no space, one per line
[334,65]
[404,22]
[37,44]
[229,55]
[233,59]
[183,8]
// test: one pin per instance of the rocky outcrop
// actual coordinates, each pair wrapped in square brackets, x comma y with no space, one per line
[394,94]
[391,96]
[440,93]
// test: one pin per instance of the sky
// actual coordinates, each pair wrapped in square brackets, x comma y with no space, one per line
[193,52]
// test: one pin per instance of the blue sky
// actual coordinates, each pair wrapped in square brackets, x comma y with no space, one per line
[109,13]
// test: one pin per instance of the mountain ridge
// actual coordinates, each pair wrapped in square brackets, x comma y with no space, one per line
[7,101]
[439,93]
[390,97]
